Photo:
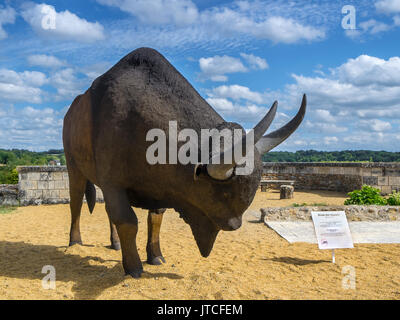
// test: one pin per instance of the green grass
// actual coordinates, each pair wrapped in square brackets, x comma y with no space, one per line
[5,210]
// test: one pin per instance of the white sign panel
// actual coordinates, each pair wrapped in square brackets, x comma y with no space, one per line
[332,229]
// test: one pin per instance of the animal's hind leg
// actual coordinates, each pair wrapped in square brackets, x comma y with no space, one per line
[77,185]
[125,220]
[154,219]
[114,239]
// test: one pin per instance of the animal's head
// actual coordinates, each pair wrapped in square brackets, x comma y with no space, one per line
[221,192]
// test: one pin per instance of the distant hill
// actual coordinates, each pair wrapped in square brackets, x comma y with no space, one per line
[332,156]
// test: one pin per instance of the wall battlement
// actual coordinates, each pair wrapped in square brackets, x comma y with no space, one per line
[336,176]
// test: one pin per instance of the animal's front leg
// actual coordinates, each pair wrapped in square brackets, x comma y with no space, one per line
[125,220]
[154,219]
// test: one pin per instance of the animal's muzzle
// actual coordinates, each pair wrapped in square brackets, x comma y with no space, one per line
[235,223]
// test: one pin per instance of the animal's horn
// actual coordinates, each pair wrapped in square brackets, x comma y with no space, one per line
[275,138]
[225,171]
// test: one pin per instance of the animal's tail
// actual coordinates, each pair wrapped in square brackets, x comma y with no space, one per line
[90,194]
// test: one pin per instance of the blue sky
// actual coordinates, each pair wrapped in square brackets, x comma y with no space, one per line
[240,56]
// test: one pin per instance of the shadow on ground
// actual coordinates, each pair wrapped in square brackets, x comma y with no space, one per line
[25,261]
[296,261]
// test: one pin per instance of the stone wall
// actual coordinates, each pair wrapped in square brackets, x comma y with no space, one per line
[45,185]
[336,176]
[49,184]
[9,195]
[353,213]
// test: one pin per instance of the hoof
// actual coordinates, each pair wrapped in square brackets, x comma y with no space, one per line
[116,246]
[134,274]
[71,243]
[156,260]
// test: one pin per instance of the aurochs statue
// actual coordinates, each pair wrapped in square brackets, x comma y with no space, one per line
[105,144]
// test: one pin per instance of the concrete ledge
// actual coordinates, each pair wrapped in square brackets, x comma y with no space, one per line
[26,169]
[361,231]
[393,165]
[353,213]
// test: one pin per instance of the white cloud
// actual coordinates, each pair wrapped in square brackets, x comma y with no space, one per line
[32,128]
[256,63]
[46,61]
[179,12]
[324,115]
[366,70]
[21,86]
[347,100]
[240,104]
[373,27]
[68,26]
[396,21]
[221,104]
[275,28]
[324,127]
[247,113]
[393,113]
[363,83]
[299,143]
[237,92]
[216,67]
[388,6]
[7,16]
[95,70]
[333,93]
[67,84]
[330,140]
[374,125]
[232,19]
[357,102]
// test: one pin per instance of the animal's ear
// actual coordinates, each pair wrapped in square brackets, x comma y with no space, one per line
[198,171]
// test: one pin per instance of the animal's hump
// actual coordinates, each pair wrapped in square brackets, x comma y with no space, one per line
[156,66]
[144,55]
[149,66]
[146,77]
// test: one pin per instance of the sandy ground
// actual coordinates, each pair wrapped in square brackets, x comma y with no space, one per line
[250,263]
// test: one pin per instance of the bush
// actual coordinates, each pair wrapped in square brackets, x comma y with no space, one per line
[394,199]
[8,175]
[367,195]
[13,177]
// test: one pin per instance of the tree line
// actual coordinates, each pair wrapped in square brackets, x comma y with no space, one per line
[10,159]
[332,156]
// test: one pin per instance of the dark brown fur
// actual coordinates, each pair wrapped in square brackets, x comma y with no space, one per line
[104,138]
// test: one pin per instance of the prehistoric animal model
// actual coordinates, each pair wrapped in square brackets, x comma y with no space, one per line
[105,144]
